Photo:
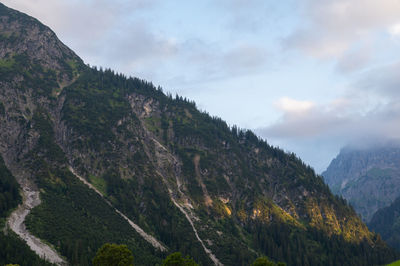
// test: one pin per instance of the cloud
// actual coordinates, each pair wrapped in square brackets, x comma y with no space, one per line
[133,47]
[382,82]
[356,58]
[317,134]
[87,18]
[293,106]
[342,119]
[304,119]
[367,113]
[205,61]
[394,30]
[335,29]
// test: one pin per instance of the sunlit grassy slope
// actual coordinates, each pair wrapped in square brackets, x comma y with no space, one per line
[396,263]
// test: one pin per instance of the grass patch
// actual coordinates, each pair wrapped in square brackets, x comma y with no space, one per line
[98,183]
[396,263]
[7,63]
[153,124]
[74,67]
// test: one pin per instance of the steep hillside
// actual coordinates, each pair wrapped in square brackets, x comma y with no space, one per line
[368,178]
[386,222]
[116,160]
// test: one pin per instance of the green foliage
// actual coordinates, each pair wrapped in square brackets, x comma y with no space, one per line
[395,263]
[386,222]
[34,75]
[6,63]
[284,243]
[9,194]
[263,261]
[98,183]
[75,67]
[93,106]
[151,199]
[113,254]
[46,143]
[176,259]
[2,109]
[14,250]
[77,221]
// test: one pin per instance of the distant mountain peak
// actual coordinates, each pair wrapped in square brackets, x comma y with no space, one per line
[369,178]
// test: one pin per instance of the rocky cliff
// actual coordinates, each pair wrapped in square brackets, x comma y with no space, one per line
[368,178]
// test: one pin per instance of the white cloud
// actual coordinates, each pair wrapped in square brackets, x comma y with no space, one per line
[294,106]
[370,110]
[394,30]
[335,29]
[87,18]
[304,119]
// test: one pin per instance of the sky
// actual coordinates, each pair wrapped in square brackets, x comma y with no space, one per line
[309,76]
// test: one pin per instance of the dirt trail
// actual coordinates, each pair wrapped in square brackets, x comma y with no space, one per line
[140,231]
[16,223]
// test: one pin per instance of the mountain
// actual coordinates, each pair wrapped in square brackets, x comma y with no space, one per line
[369,178]
[101,157]
[386,222]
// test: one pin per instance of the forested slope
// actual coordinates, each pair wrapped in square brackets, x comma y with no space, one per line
[386,222]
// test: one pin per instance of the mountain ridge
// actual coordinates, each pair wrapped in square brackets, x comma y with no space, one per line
[185,178]
[369,178]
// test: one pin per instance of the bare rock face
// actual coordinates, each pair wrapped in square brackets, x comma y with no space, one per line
[24,35]
[368,178]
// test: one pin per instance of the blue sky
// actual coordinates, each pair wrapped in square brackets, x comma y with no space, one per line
[310,76]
